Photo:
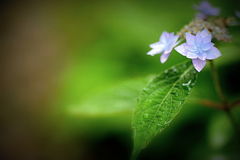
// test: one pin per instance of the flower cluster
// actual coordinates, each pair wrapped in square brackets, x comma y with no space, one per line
[199,33]
[166,43]
[217,27]
[199,48]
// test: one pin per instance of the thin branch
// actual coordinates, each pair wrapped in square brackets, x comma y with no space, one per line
[225,105]
[234,104]
[211,104]
[218,86]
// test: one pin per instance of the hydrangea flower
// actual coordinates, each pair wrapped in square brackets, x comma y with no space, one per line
[166,43]
[205,9]
[199,48]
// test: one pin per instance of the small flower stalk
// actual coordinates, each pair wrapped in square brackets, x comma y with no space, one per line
[200,35]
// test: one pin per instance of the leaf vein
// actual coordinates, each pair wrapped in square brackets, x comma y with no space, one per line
[182,75]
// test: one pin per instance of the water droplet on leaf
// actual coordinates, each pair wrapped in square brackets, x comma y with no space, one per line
[186,84]
[146,116]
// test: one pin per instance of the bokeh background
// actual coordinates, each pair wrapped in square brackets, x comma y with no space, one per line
[71,72]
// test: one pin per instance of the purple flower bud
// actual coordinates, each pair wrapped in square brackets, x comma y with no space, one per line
[205,9]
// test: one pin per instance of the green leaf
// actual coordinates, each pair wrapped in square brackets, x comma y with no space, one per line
[160,102]
[116,98]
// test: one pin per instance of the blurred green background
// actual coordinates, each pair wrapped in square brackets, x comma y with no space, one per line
[71,72]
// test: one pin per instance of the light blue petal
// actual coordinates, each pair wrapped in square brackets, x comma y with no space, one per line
[154,51]
[164,57]
[168,50]
[191,48]
[181,49]
[198,40]
[164,37]
[202,56]
[207,39]
[190,38]
[171,35]
[174,40]
[204,4]
[172,44]
[198,64]
[191,55]
[207,9]
[215,12]
[213,53]
[155,45]
[207,46]
[204,33]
